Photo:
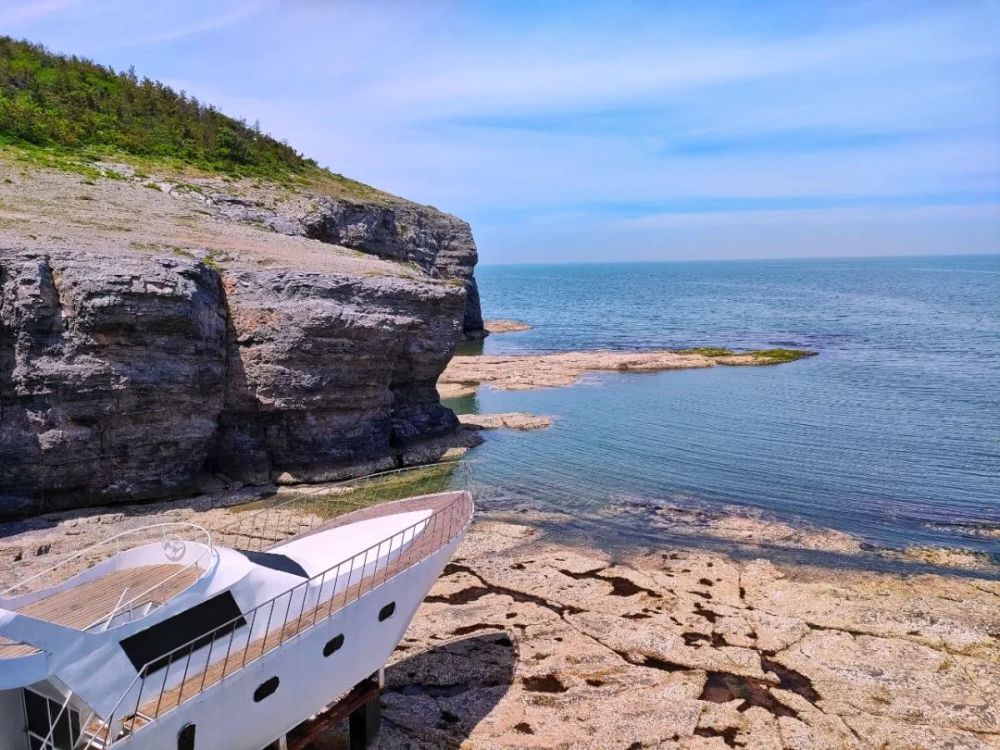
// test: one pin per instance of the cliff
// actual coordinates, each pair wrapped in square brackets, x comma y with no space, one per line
[185,300]
[156,329]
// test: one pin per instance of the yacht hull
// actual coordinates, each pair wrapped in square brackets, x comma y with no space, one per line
[226,715]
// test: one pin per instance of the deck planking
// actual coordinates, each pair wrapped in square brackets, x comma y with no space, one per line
[88,603]
[427,543]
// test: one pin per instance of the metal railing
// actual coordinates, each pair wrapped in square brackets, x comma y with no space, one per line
[279,521]
[175,677]
[173,538]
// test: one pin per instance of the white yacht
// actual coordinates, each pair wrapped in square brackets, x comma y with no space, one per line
[161,638]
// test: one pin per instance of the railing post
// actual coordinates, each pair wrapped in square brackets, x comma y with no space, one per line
[208,661]
[350,577]
[333,596]
[246,649]
[138,701]
[288,608]
[187,665]
[267,629]
[229,648]
[163,688]
[319,597]
[361,583]
[302,609]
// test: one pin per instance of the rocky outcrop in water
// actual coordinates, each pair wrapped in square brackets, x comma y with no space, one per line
[128,376]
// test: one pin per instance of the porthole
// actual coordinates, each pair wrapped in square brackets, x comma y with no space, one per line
[333,644]
[265,689]
[387,611]
[185,737]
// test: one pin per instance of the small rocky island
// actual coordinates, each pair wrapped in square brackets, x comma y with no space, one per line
[516,372]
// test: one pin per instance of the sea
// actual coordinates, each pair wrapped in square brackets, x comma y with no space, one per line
[891,433]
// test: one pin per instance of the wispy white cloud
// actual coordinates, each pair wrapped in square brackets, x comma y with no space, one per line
[243,11]
[28,12]
[569,116]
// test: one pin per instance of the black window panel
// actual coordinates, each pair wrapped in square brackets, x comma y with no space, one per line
[333,644]
[217,617]
[280,563]
[265,689]
[61,735]
[37,709]
[185,737]
[41,712]
[36,744]
[387,611]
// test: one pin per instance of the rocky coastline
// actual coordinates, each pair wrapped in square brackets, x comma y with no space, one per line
[531,641]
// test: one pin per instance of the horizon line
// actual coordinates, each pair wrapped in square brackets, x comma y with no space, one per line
[901,256]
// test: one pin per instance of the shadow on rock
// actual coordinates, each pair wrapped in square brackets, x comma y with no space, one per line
[436,698]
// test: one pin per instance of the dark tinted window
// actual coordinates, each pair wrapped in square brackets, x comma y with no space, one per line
[37,709]
[41,714]
[333,644]
[185,737]
[266,688]
[197,624]
[276,562]
[387,611]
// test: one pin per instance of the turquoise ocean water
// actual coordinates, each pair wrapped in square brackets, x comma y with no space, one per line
[892,433]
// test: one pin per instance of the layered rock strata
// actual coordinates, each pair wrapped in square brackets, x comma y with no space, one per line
[440,244]
[127,376]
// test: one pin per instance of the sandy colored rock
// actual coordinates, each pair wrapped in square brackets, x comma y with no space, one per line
[456,390]
[525,642]
[946,556]
[522,372]
[506,326]
[512,420]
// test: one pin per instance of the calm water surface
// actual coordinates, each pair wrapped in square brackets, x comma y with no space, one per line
[891,433]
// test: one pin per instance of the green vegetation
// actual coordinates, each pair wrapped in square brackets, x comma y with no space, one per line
[366,491]
[50,100]
[708,351]
[761,356]
[780,356]
[71,114]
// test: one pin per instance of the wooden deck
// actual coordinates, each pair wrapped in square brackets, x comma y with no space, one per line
[434,537]
[82,606]
[434,503]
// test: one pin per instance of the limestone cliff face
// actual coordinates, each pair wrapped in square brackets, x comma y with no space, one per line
[327,371]
[438,243]
[126,377]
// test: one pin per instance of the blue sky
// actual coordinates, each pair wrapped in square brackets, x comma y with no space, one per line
[576,131]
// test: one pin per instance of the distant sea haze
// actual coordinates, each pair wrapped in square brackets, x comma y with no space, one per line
[892,433]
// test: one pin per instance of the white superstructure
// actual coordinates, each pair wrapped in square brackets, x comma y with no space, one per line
[174,642]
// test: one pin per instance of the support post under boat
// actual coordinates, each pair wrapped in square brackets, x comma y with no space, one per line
[360,707]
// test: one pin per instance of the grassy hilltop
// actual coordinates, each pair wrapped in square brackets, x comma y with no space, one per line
[66,112]
[72,103]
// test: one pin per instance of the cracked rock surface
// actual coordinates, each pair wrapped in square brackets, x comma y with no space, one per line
[526,643]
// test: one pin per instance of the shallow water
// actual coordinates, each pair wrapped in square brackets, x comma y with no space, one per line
[892,433]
